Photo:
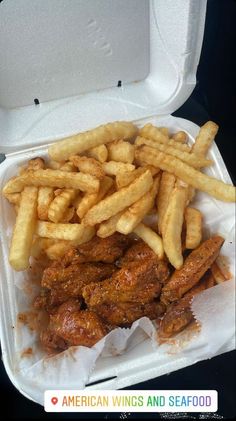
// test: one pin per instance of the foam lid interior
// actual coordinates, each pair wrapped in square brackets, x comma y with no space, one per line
[72,57]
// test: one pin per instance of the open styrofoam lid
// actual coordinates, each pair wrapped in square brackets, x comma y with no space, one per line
[72,56]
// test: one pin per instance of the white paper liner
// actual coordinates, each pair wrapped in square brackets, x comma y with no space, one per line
[214,309]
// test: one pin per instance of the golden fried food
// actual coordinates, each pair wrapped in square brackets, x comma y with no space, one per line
[195,265]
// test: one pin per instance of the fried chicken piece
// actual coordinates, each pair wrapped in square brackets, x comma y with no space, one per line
[61,284]
[179,314]
[106,250]
[136,282]
[195,265]
[141,251]
[123,314]
[49,339]
[75,326]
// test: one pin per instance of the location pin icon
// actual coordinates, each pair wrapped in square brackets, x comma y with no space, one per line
[54,400]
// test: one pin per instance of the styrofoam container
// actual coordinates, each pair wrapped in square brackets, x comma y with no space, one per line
[70,56]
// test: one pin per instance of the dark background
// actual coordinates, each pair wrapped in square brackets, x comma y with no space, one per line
[213,98]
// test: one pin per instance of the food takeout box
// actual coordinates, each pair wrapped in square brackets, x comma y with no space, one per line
[67,66]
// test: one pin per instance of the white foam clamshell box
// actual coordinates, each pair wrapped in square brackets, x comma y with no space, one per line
[70,55]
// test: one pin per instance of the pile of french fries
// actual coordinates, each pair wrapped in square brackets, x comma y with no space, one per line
[109,179]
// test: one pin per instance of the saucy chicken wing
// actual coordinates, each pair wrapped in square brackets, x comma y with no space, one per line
[70,326]
[137,282]
[123,314]
[195,265]
[179,313]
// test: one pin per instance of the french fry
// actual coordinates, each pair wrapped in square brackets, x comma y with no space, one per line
[114,168]
[99,152]
[68,215]
[125,178]
[151,238]
[72,232]
[192,159]
[154,143]
[217,274]
[151,132]
[54,165]
[205,138]
[58,250]
[164,130]
[13,198]
[193,219]
[53,178]
[91,199]
[60,204]
[81,142]
[108,227]
[120,200]
[121,151]
[68,167]
[180,136]
[136,212]
[45,197]
[88,166]
[24,229]
[173,227]
[189,175]
[32,164]
[166,188]
[40,245]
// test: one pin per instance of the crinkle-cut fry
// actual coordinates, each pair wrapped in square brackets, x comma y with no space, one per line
[68,215]
[205,138]
[88,166]
[114,168]
[91,199]
[45,197]
[217,274]
[151,238]
[119,200]
[142,140]
[108,227]
[33,164]
[180,136]
[14,185]
[173,227]
[136,212]
[24,229]
[190,158]
[58,250]
[60,205]
[200,181]
[53,178]
[54,165]
[125,178]
[62,150]
[71,232]
[152,132]
[99,152]
[166,188]
[40,245]
[164,130]
[68,167]
[13,198]
[121,151]
[193,220]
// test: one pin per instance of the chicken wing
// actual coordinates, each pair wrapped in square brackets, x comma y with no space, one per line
[61,284]
[70,326]
[106,250]
[195,265]
[123,314]
[179,313]
[136,282]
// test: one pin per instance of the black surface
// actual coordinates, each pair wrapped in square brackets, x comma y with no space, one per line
[213,98]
